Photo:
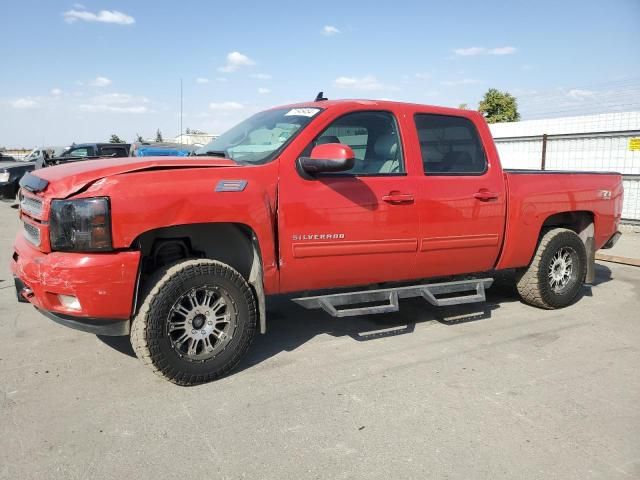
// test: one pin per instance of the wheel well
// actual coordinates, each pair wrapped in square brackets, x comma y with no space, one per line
[234,244]
[230,243]
[580,222]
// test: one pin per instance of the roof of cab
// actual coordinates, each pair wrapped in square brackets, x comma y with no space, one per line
[383,104]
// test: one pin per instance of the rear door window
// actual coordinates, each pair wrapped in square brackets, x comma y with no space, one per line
[81,152]
[450,145]
[114,151]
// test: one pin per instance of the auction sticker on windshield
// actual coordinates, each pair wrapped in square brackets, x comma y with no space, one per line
[302,112]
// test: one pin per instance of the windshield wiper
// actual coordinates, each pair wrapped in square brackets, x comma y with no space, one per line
[213,153]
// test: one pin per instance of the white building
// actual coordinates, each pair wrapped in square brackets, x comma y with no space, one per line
[197,139]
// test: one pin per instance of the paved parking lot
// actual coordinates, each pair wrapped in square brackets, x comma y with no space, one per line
[499,390]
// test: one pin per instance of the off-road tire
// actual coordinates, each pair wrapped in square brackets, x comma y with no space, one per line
[533,282]
[150,339]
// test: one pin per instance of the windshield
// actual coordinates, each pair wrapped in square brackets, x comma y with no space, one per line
[260,138]
[32,155]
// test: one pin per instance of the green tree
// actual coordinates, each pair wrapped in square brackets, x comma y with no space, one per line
[497,107]
[159,136]
[115,139]
[139,138]
[463,106]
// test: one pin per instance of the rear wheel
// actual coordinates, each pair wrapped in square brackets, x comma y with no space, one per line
[557,271]
[196,323]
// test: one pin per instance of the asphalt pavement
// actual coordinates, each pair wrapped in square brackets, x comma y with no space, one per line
[498,390]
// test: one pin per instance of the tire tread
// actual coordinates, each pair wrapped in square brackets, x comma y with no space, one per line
[529,280]
[144,338]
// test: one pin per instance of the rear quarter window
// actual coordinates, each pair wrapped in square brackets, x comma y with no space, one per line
[114,152]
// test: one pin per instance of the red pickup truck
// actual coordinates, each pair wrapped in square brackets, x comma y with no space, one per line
[330,197]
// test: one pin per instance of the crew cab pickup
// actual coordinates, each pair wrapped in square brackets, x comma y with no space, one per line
[351,204]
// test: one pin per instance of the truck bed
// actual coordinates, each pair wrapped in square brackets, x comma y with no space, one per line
[534,196]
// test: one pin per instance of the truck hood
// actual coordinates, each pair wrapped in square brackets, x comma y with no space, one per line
[62,181]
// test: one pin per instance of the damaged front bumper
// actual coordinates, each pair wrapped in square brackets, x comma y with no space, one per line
[88,292]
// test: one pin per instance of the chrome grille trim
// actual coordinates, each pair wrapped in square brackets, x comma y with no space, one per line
[31,233]
[31,206]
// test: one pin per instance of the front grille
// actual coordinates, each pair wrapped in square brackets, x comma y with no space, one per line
[32,234]
[31,206]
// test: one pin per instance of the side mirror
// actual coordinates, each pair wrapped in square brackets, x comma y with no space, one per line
[328,157]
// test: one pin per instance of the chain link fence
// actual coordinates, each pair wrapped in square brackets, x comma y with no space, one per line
[602,143]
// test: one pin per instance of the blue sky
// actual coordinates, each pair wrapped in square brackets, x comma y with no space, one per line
[79,72]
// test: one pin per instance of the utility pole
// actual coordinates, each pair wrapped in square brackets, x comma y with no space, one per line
[180,111]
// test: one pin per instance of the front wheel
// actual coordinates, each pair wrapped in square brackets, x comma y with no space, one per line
[557,271]
[196,323]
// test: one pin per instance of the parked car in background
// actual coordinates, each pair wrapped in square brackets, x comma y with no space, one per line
[89,151]
[44,152]
[160,150]
[11,171]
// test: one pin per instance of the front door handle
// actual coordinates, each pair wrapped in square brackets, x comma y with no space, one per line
[485,195]
[397,198]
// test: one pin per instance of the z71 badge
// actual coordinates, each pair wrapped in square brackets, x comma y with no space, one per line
[605,194]
[318,236]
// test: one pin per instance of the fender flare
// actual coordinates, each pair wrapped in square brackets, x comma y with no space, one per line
[256,281]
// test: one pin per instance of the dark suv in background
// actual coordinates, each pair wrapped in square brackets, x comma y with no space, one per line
[87,151]
[11,171]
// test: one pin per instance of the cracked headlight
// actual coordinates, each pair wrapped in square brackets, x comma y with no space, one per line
[81,225]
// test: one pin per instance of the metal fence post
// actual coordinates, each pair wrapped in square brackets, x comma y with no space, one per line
[543,161]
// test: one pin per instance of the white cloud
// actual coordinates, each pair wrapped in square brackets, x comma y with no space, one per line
[469,51]
[263,90]
[202,80]
[579,94]
[23,103]
[79,6]
[225,106]
[502,51]
[236,60]
[423,76]
[455,83]
[473,51]
[113,108]
[100,82]
[103,16]
[116,103]
[222,79]
[56,92]
[119,98]
[368,82]
[261,76]
[329,31]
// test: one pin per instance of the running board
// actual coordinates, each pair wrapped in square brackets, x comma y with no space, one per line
[388,298]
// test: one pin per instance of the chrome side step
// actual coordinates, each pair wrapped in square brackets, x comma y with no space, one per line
[387,299]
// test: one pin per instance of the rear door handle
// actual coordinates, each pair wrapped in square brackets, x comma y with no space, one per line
[486,195]
[397,197]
